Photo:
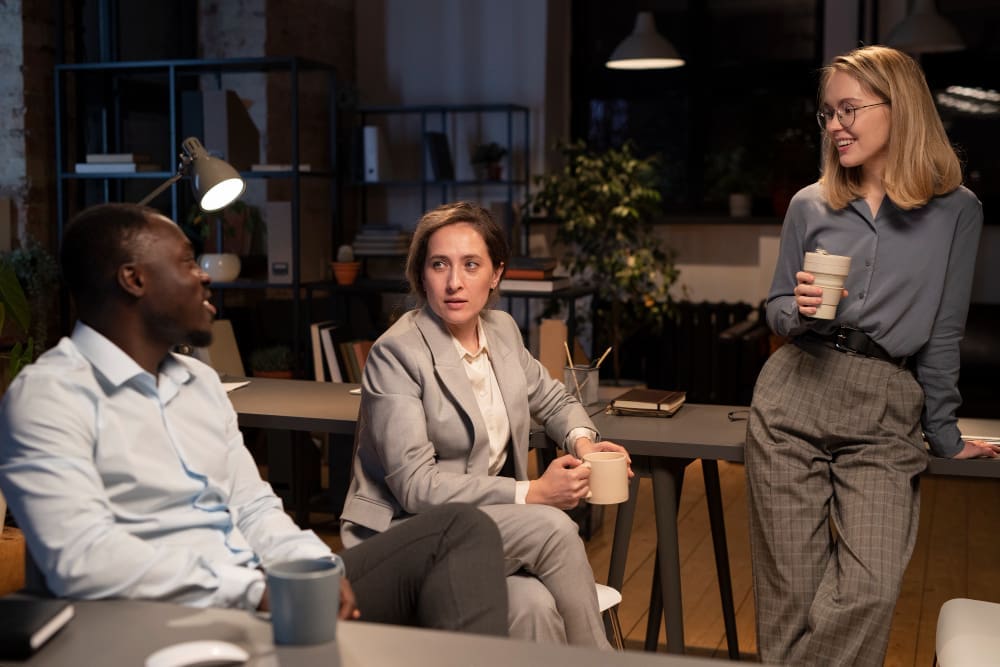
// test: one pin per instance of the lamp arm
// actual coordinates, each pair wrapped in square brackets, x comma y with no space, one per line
[163,186]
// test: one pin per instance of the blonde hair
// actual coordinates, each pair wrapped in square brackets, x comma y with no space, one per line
[921,162]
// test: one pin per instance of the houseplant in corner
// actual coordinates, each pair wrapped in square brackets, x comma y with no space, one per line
[605,203]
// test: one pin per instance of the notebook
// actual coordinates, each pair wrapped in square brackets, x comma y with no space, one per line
[27,623]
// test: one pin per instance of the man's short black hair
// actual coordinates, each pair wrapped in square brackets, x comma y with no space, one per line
[95,243]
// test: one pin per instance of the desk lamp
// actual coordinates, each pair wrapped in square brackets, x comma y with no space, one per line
[644,48]
[215,182]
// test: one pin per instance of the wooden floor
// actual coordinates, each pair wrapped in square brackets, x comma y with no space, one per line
[957,555]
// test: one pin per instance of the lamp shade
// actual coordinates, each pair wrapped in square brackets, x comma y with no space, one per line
[215,182]
[925,31]
[644,48]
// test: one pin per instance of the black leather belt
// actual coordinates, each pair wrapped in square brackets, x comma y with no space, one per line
[853,341]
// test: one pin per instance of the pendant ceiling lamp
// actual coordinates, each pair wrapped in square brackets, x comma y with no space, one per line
[925,31]
[644,48]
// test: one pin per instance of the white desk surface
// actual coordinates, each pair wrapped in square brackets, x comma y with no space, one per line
[125,632]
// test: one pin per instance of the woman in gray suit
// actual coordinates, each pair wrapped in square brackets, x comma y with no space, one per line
[447,398]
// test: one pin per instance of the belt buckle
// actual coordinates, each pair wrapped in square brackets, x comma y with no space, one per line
[840,340]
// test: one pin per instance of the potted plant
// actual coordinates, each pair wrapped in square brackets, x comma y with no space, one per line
[17,342]
[274,361]
[605,203]
[732,177]
[486,161]
[38,276]
[226,235]
[346,267]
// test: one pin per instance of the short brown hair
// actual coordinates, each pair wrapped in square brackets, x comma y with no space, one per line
[450,214]
[921,161]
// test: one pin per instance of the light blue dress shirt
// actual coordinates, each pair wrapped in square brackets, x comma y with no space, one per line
[134,486]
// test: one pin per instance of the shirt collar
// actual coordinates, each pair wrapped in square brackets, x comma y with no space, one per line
[114,364]
[483,347]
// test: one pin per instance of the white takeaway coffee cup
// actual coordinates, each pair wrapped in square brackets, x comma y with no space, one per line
[830,272]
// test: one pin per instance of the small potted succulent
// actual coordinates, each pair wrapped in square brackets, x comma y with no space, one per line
[345,268]
[486,161]
[274,361]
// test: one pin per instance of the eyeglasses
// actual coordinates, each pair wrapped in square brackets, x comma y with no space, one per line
[845,114]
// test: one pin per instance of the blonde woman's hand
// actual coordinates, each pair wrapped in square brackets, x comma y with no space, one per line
[808,297]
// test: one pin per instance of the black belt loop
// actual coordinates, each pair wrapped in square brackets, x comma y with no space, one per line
[854,341]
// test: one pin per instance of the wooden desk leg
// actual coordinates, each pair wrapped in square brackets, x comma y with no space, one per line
[713,497]
[623,534]
[668,476]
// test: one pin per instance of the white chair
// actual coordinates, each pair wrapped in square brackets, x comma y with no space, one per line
[608,600]
[967,634]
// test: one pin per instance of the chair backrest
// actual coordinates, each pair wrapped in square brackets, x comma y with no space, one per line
[222,354]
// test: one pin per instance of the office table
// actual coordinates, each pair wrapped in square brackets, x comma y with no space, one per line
[665,447]
[706,432]
[126,632]
[298,406]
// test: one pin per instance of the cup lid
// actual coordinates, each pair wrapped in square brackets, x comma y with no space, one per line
[820,262]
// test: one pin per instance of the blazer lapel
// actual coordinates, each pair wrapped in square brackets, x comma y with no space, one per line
[455,383]
[510,377]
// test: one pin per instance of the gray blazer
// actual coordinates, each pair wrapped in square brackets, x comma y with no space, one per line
[421,439]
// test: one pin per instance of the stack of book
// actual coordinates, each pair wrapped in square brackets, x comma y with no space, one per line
[648,403]
[115,163]
[381,240]
[532,274]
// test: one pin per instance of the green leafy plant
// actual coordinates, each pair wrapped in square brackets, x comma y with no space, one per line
[732,171]
[272,358]
[38,275]
[605,203]
[235,225]
[14,302]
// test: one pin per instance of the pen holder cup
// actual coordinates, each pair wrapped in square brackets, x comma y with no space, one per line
[582,381]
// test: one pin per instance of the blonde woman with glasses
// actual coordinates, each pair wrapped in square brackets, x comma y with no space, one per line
[835,441]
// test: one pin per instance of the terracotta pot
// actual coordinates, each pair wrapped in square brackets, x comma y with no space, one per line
[345,273]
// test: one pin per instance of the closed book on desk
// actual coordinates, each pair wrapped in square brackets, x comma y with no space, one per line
[514,286]
[664,402]
[27,623]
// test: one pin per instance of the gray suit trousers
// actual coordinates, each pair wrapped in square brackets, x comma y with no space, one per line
[442,569]
[550,583]
[833,458]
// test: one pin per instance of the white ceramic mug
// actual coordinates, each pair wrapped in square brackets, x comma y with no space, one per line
[608,477]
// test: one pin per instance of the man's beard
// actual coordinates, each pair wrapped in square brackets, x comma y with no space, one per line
[200,338]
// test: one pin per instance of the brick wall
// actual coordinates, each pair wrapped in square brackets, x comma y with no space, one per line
[26,137]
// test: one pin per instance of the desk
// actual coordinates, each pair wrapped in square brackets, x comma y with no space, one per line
[666,446]
[299,406]
[126,632]
[705,432]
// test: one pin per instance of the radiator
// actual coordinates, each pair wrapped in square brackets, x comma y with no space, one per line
[707,349]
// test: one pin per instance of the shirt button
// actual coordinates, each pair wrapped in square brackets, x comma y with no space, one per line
[861,296]
[868,262]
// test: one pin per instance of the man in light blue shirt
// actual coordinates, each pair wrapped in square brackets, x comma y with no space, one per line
[123,464]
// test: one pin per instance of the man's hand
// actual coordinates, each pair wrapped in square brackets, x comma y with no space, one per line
[563,484]
[978,449]
[348,605]
[585,446]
